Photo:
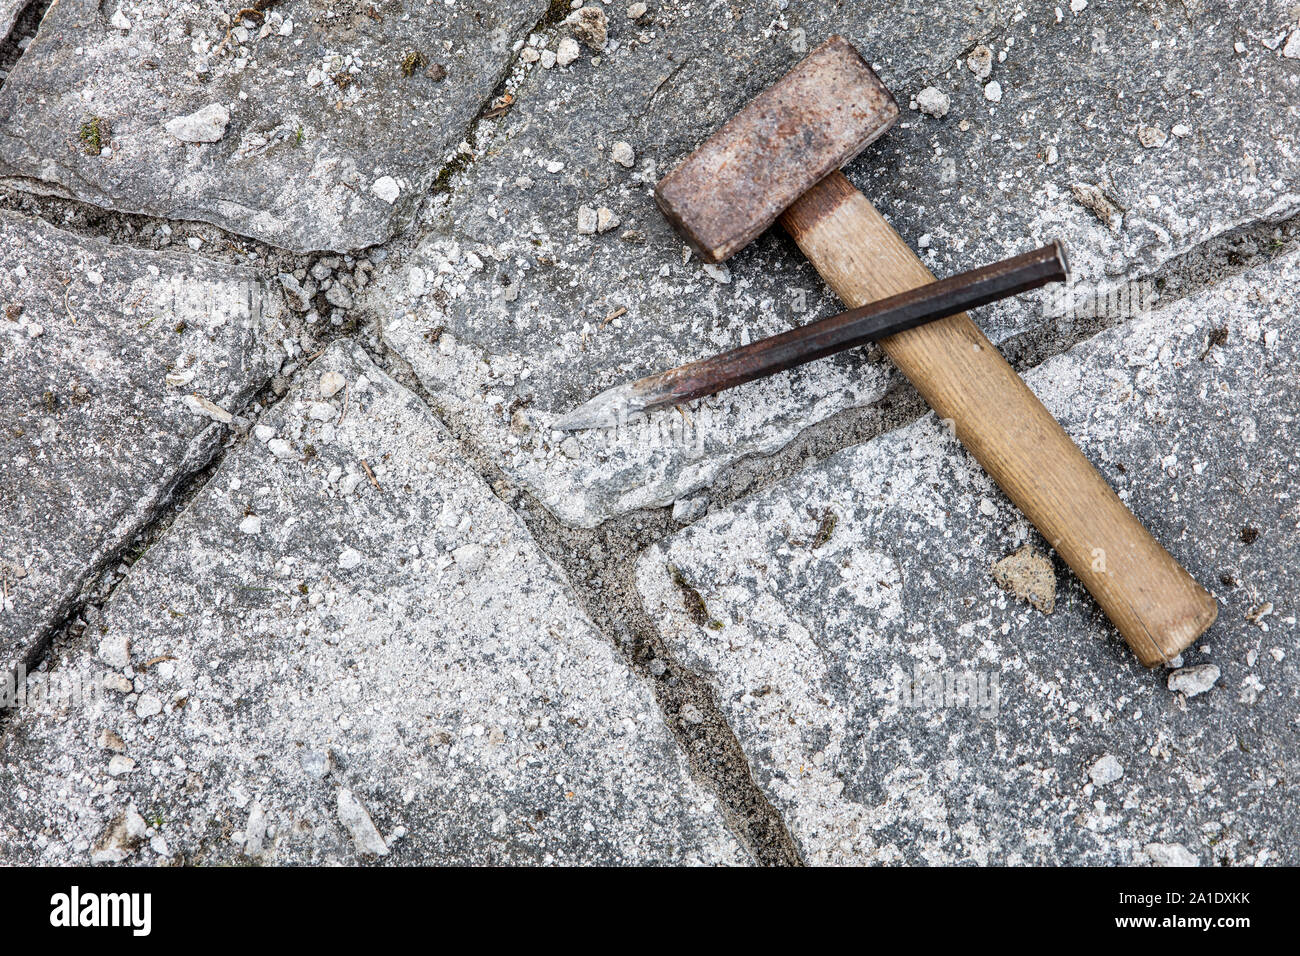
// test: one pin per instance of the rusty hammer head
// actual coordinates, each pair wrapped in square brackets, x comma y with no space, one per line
[809,123]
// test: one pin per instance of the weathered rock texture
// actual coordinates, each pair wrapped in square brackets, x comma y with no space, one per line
[119,367]
[347,648]
[341,114]
[513,308]
[898,706]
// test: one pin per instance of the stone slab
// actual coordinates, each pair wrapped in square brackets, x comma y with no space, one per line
[828,610]
[329,143]
[323,668]
[510,313]
[107,353]
[9,10]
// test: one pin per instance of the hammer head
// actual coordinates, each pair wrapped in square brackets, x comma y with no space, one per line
[809,123]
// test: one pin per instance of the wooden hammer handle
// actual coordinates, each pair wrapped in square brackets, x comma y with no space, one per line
[1152,600]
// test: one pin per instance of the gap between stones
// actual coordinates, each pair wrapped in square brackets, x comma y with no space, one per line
[25,24]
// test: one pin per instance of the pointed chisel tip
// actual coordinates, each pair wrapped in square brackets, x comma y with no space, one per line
[606,410]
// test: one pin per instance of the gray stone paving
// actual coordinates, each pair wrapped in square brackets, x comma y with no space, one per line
[335,117]
[121,370]
[313,666]
[512,311]
[833,611]
[337,612]
[9,10]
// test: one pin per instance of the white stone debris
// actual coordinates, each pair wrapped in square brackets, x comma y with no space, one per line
[980,62]
[387,189]
[1152,137]
[147,706]
[933,102]
[1106,770]
[119,21]
[203,406]
[1193,680]
[349,558]
[251,524]
[207,125]
[587,220]
[119,765]
[993,92]
[355,818]
[1170,854]
[280,448]
[567,51]
[255,830]
[621,153]
[606,219]
[636,11]
[331,383]
[1291,49]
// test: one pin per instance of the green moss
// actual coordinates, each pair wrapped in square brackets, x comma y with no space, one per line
[413,61]
[94,135]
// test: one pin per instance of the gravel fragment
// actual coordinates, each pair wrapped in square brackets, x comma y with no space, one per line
[356,820]
[331,383]
[566,52]
[933,102]
[980,62]
[1029,575]
[590,25]
[621,153]
[1170,854]
[1106,770]
[208,125]
[387,189]
[993,92]
[1152,137]
[1193,680]
[587,221]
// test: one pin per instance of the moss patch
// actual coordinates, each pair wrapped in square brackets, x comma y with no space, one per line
[94,135]
[413,61]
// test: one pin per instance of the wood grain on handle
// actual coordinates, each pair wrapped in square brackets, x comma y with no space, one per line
[1156,605]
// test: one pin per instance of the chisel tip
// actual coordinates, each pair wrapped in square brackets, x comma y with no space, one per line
[606,410]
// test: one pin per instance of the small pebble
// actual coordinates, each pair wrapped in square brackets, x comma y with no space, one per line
[331,383]
[349,559]
[933,102]
[636,11]
[387,189]
[566,52]
[622,154]
[1193,680]
[251,524]
[586,221]
[1106,770]
[993,92]
[980,62]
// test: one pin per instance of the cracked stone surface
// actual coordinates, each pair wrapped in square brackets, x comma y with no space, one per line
[119,369]
[896,705]
[330,142]
[347,648]
[511,313]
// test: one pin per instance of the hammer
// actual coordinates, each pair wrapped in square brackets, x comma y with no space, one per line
[779,158]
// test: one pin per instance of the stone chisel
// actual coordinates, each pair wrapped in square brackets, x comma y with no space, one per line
[815,340]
